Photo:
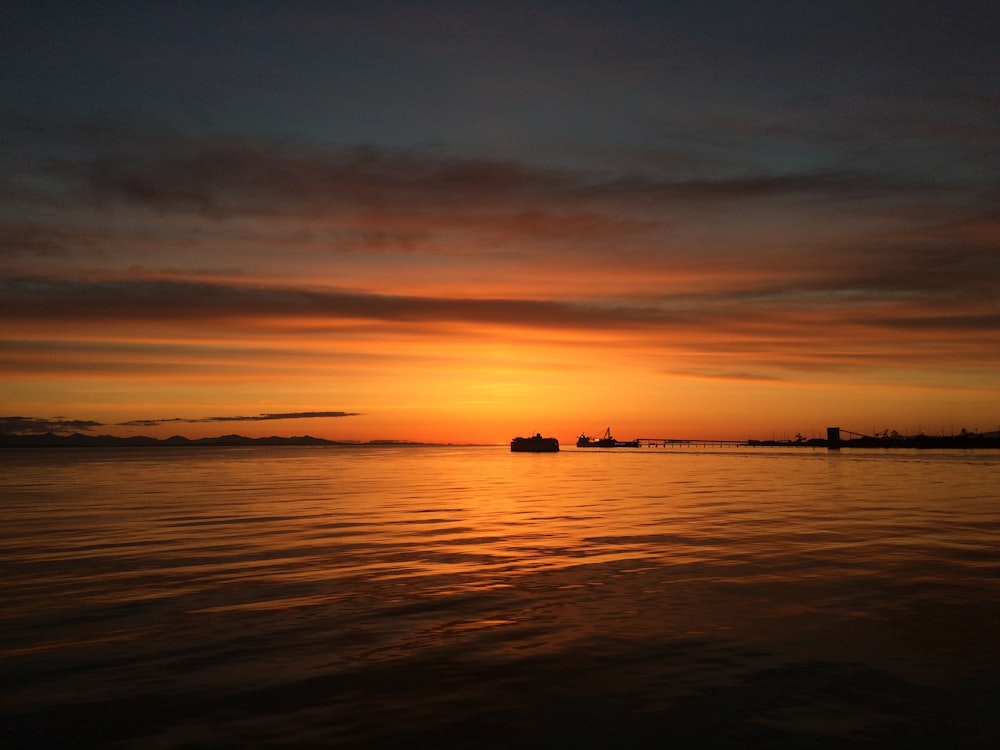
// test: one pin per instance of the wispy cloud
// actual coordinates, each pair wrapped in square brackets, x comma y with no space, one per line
[277,211]
[255,418]
[41,299]
[224,178]
[40,425]
[227,178]
[181,302]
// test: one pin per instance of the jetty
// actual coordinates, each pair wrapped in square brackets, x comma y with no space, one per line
[838,437]
[645,442]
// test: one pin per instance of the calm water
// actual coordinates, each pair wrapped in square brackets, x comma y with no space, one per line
[470,597]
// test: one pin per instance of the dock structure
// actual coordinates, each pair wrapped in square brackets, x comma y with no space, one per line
[833,438]
[692,443]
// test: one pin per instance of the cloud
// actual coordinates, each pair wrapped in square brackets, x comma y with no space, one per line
[273,210]
[40,425]
[277,210]
[727,375]
[728,333]
[226,177]
[256,418]
[341,245]
[177,301]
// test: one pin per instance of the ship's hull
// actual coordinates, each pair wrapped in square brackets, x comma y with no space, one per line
[536,444]
[604,443]
[607,440]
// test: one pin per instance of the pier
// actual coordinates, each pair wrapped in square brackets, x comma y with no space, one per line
[837,438]
[693,443]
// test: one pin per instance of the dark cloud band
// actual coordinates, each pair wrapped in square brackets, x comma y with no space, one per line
[40,425]
[255,418]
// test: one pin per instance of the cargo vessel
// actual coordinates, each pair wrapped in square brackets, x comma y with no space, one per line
[605,441]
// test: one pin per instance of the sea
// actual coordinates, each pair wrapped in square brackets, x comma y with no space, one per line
[385,596]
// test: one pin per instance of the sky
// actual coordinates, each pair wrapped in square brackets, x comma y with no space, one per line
[465,221]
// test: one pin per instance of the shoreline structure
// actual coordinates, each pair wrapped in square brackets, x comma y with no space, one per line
[962,441]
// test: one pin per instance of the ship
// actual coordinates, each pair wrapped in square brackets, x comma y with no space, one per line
[534,444]
[605,441]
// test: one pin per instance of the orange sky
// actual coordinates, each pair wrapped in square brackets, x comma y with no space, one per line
[734,255]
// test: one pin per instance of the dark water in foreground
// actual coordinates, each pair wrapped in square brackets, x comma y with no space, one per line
[469,597]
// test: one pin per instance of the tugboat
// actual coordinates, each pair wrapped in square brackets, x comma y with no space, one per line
[534,444]
[605,441]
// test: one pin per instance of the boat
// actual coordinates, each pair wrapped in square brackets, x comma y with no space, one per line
[605,441]
[534,444]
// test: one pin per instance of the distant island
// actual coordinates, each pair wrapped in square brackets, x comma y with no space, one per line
[79,440]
